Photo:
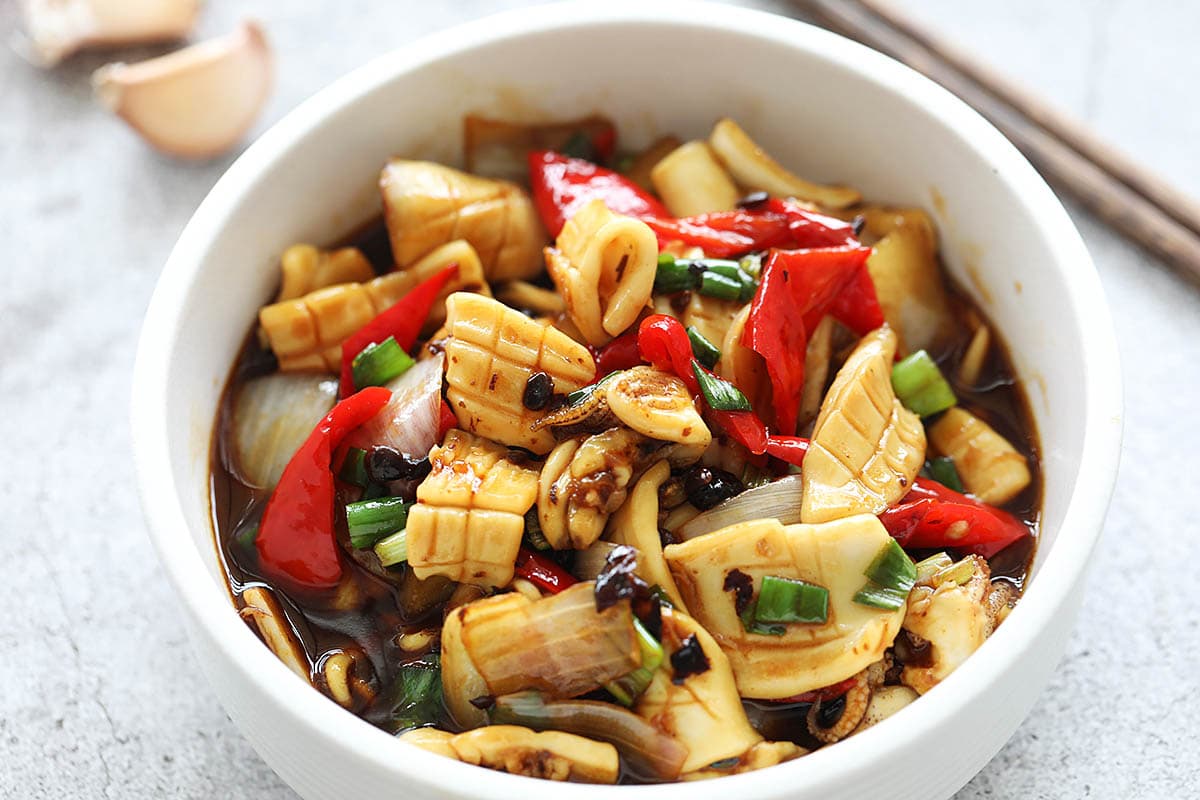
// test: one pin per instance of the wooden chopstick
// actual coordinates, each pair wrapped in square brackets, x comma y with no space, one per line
[1129,198]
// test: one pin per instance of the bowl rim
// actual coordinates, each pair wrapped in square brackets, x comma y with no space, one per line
[208,603]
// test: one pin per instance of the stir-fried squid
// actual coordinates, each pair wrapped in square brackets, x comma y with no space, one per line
[632,466]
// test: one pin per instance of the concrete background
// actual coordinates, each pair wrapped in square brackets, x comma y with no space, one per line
[100,698]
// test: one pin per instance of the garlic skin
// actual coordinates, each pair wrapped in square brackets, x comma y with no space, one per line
[59,28]
[197,102]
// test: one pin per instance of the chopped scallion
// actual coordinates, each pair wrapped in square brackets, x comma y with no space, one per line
[416,694]
[627,688]
[714,284]
[889,578]
[393,549]
[379,363]
[920,385]
[752,625]
[719,393]
[705,351]
[354,468]
[673,275]
[881,597]
[733,271]
[371,520]
[944,472]
[931,566]
[790,600]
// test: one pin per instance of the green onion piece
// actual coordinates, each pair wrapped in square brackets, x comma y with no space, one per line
[944,472]
[958,574]
[620,693]
[416,695]
[931,566]
[371,520]
[652,649]
[354,468]
[719,393]
[733,271]
[789,600]
[246,538]
[890,577]
[721,266]
[628,688]
[579,146]
[673,276]
[920,385]
[751,625]
[881,597]
[893,568]
[393,550]
[714,284]
[705,351]
[379,363]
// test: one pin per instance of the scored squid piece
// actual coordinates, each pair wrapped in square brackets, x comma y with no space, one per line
[691,181]
[552,755]
[990,467]
[867,448]
[426,205]
[604,266]
[834,555]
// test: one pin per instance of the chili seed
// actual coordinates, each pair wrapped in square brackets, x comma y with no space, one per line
[538,389]
[705,486]
[386,464]
[753,200]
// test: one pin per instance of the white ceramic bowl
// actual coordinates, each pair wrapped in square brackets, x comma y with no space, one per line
[828,108]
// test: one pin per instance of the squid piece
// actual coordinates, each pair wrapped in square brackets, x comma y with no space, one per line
[816,368]
[885,701]
[763,754]
[703,709]
[690,180]
[866,447]
[584,480]
[657,405]
[712,317]
[970,367]
[527,297]
[552,755]
[59,28]
[305,269]
[306,333]
[908,281]
[470,512]
[347,677]
[990,467]
[754,169]
[262,608]
[559,645]
[950,610]
[855,704]
[491,353]
[743,367]
[834,555]
[604,266]
[636,525]
[426,205]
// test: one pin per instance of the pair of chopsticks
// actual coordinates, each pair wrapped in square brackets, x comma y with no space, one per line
[1124,194]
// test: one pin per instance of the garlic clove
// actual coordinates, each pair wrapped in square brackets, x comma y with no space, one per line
[58,28]
[196,102]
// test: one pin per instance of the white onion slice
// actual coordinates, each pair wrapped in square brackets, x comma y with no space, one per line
[272,416]
[776,500]
[589,562]
[409,422]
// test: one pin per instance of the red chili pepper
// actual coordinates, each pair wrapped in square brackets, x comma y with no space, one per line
[797,288]
[604,142]
[562,185]
[791,449]
[776,223]
[744,427]
[296,543]
[402,320]
[663,341]
[934,516]
[542,572]
[621,353]
[447,420]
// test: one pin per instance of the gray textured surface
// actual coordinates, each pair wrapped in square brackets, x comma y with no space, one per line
[100,697]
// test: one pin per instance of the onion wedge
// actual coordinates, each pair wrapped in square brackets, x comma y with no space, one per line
[409,422]
[776,500]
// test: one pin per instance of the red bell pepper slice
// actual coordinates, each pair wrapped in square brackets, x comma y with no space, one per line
[542,572]
[296,543]
[934,516]
[663,341]
[791,449]
[621,353]
[402,320]
[776,223]
[797,288]
[562,185]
